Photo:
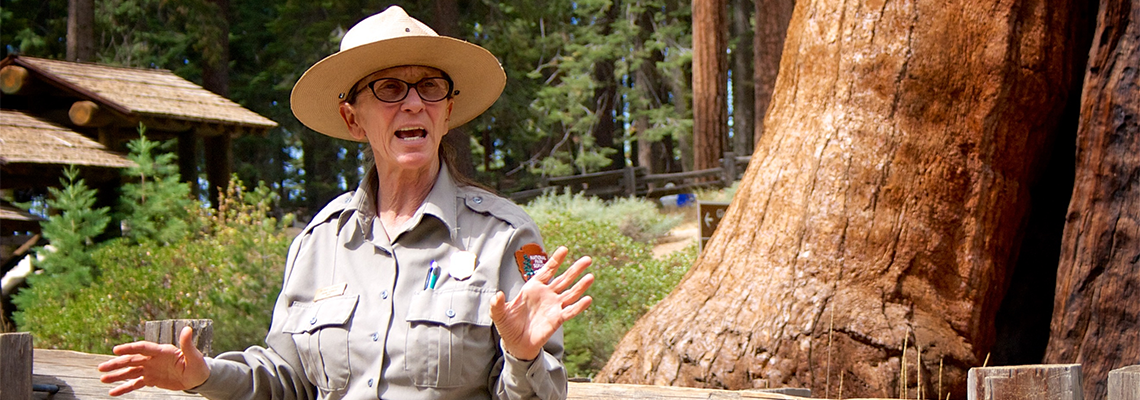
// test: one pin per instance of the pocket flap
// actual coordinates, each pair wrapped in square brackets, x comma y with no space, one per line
[469,306]
[308,317]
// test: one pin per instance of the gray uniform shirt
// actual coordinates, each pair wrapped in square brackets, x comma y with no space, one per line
[357,320]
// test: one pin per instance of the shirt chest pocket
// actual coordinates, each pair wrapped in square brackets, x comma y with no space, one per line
[450,341]
[320,332]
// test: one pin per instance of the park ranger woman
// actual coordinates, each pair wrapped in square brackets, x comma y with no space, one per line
[418,285]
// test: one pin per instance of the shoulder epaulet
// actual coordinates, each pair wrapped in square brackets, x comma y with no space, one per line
[482,201]
[331,210]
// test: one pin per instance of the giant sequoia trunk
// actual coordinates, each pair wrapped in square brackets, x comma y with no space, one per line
[882,207]
[1097,309]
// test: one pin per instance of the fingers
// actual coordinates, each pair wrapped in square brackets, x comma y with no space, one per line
[559,284]
[121,375]
[551,267]
[574,309]
[123,361]
[576,292]
[128,387]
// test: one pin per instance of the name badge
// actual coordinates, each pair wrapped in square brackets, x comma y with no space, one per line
[330,291]
[462,265]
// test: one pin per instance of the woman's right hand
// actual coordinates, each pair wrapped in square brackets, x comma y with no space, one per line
[161,365]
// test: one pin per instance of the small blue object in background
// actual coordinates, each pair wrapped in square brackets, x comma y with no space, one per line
[686,199]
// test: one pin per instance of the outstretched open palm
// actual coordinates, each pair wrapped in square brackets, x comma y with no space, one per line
[542,306]
[161,365]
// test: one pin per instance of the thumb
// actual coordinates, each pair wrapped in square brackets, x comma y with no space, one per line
[186,343]
[498,306]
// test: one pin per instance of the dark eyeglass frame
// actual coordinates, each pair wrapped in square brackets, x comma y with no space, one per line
[408,88]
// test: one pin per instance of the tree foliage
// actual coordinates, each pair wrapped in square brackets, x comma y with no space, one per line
[155,202]
[72,231]
[544,124]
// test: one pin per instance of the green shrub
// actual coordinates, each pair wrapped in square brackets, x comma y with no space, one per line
[228,271]
[636,218]
[628,281]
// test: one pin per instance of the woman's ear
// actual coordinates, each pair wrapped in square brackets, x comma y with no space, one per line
[351,121]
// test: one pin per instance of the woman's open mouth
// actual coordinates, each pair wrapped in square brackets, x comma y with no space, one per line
[411,133]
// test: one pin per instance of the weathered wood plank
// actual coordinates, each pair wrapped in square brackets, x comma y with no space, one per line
[15,366]
[605,391]
[1025,382]
[77,378]
[1124,383]
[167,331]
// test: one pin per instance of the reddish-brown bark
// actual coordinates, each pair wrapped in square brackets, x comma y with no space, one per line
[1096,314]
[883,205]
[710,83]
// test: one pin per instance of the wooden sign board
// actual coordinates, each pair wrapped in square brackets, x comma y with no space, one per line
[710,213]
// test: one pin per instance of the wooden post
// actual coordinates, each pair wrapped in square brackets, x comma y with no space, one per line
[16,366]
[630,181]
[1124,383]
[166,332]
[729,165]
[1029,382]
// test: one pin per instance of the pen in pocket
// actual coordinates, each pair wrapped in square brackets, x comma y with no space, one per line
[432,276]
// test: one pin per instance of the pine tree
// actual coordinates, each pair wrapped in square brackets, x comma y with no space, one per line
[155,206]
[71,231]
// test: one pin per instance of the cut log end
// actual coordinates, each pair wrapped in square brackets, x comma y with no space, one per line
[13,78]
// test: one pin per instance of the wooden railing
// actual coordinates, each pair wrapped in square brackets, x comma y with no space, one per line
[27,373]
[635,181]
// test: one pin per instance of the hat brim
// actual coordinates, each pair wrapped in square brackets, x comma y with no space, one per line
[476,73]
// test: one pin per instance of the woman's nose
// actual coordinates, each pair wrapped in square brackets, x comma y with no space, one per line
[412,102]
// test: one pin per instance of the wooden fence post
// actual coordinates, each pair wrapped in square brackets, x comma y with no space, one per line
[1036,382]
[16,366]
[1124,383]
[630,181]
[166,332]
[728,165]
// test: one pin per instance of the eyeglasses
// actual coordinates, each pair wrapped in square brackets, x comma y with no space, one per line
[392,90]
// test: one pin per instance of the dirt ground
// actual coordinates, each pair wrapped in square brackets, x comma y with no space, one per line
[686,233]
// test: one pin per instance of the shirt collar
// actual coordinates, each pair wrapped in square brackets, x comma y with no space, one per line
[441,202]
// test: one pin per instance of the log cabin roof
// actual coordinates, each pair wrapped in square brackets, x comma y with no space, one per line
[153,93]
[28,139]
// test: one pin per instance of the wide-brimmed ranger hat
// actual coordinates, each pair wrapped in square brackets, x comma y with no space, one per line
[392,39]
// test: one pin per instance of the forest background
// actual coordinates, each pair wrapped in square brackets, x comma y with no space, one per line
[590,83]
[913,189]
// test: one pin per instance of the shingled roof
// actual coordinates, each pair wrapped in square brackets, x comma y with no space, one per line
[143,92]
[28,139]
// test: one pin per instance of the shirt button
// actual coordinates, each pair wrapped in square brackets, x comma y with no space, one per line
[313,321]
[370,381]
[383,294]
[478,200]
[375,337]
[451,313]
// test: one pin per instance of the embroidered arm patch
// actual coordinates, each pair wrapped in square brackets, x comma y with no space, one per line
[530,258]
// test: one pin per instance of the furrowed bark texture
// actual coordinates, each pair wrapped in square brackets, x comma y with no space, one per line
[883,205]
[1096,312]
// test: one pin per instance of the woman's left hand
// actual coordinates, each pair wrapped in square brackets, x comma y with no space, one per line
[543,305]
